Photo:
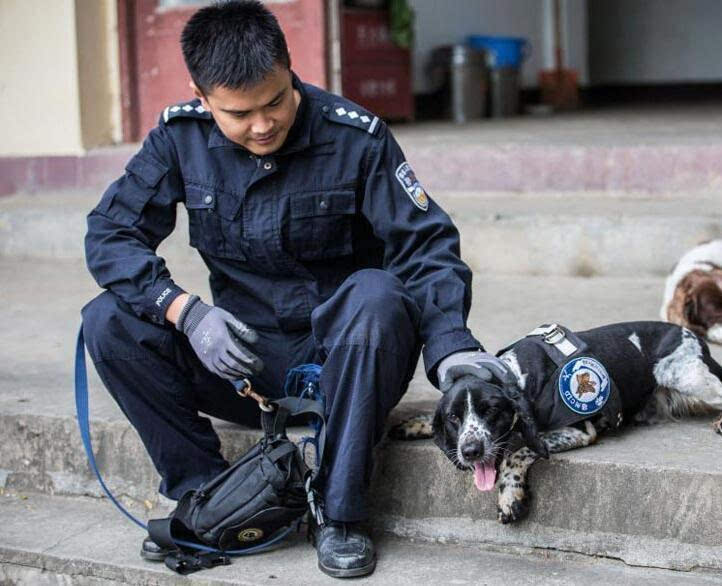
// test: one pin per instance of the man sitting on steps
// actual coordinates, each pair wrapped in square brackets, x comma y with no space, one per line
[322,246]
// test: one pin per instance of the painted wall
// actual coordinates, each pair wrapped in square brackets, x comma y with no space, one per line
[97,32]
[39,83]
[58,88]
[440,23]
[652,41]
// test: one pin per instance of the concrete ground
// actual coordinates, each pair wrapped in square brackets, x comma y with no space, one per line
[84,542]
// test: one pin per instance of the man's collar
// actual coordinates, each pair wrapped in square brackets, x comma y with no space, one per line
[299,136]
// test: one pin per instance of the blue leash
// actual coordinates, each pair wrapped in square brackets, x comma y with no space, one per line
[81,404]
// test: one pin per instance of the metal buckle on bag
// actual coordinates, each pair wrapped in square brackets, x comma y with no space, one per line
[247,391]
[313,506]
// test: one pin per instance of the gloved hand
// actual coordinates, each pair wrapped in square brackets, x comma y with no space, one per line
[219,339]
[475,362]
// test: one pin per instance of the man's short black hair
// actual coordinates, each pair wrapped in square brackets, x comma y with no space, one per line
[233,44]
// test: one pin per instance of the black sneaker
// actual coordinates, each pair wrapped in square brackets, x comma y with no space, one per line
[153,552]
[344,549]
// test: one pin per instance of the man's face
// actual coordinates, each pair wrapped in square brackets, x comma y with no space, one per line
[257,117]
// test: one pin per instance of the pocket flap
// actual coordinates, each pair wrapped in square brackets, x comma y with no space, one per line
[151,172]
[203,197]
[200,198]
[323,203]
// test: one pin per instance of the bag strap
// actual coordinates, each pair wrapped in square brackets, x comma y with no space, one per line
[186,563]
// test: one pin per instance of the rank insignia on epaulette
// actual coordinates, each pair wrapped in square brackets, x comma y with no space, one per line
[185,110]
[352,117]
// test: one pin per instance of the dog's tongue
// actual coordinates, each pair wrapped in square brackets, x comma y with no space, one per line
[484,476]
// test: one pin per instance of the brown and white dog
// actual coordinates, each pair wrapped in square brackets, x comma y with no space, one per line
[693,292]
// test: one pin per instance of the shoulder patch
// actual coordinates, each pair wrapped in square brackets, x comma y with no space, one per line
[352,116]
[192,109]
[406,176]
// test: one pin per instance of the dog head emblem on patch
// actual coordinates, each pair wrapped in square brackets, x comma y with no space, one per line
[584,385]
[406,176]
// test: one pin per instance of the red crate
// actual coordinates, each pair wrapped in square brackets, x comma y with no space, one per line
[366,35]
[375,72]
[384,89]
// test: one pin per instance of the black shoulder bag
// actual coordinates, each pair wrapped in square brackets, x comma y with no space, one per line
[250,506]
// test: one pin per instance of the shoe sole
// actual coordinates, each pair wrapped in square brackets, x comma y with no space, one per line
[153,557]
[349,573]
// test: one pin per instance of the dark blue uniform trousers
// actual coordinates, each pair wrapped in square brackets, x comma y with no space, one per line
[365,336]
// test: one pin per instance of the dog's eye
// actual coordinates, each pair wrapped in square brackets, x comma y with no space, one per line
[454,419]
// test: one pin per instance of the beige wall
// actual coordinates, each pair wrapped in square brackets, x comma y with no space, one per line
[98,75]
[57,90]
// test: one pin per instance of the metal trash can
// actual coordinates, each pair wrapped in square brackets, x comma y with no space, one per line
[504,92]
[459,73]
[505,56]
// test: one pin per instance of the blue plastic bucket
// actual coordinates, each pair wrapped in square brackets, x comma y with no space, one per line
[501,51]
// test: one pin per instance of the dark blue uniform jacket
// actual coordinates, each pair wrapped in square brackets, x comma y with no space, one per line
[281,232]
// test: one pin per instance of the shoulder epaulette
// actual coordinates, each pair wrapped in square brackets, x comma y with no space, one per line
[351,115]
[192,109]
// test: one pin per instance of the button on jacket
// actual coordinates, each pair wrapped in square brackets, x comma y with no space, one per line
[280,233]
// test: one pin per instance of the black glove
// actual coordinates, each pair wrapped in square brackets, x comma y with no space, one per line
[219,339]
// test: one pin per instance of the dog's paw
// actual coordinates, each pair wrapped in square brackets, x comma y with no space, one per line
[513,504]
[717,425]
[418,427]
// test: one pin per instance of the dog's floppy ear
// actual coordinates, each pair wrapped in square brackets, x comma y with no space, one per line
[441,437]
[437,425]
[527,421]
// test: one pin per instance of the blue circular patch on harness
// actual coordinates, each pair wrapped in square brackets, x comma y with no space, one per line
[584,385]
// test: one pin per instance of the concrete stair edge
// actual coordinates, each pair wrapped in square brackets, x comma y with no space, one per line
[85,543]
[431,500]
[538,235]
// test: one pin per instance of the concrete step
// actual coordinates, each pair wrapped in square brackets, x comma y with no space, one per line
[654,150]
[577,234]
[55,540]
[648,497]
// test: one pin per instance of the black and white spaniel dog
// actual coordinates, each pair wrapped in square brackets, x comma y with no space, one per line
[566,388]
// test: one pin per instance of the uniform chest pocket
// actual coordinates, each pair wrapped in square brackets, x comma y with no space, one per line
[213,221]
[320,224]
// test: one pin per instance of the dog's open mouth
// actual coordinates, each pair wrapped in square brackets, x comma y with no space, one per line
[485,475]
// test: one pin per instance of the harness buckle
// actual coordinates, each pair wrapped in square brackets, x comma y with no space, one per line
[554,335]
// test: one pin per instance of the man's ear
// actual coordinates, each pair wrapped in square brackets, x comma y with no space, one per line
[527,421]
[198,93]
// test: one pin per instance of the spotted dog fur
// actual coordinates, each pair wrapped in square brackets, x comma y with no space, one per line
[417,427]
[513,498]
[473,425]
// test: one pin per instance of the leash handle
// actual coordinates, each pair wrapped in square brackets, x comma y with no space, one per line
[81,405]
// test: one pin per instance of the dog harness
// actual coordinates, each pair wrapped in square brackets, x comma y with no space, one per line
[580,387]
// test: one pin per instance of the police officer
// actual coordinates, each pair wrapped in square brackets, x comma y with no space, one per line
[322,246]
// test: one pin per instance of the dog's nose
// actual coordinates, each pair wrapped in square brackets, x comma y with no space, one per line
[471,451]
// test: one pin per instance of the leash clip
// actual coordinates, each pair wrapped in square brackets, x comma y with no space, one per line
[244,389]
[312,504]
